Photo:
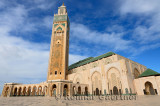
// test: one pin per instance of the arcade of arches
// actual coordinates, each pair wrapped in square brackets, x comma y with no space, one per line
[28,91]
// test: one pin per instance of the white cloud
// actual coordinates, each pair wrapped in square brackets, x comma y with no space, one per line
[113,40]
[115,28]
[41,4]
[48,21]
[147,32]
[139,6]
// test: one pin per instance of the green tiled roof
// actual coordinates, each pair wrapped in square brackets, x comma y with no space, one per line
[149,72]
[89,60]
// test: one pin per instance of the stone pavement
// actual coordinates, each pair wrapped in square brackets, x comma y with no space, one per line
[51,101]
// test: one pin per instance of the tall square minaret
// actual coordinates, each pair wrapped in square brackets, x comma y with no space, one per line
[59,48]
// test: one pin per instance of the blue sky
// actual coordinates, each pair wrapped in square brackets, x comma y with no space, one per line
[130,28]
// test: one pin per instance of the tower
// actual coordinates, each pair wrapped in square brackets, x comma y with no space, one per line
[59,48]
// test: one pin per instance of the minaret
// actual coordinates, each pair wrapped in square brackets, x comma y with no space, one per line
[59,48]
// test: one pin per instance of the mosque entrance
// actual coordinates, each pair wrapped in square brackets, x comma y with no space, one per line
[15,92]
[79,90]
[54,90]
[86,91]
[149,88]
[115,90]
[24,91]
[29,91]
[65,91]
[19,91]
[97,91]
[34,93]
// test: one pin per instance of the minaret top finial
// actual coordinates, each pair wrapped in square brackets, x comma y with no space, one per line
[63,4]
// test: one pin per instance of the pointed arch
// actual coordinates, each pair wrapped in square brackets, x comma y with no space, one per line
[65,90]
[54,90]
[114,81]
[86,91]
[74,90]
[19,91]
[96,83]
[45,90]
[149,88]
[24,91]
[39,90]
[79,90]
[29,91]
[15,91]
[34,91]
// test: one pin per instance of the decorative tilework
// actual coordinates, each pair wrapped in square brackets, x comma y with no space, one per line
[59,28]
[55,25]
[60,18]
[63,24]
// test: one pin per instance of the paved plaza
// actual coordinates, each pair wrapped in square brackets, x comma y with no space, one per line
[51,101]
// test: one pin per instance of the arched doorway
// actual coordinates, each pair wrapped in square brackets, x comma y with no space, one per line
[96,83]
[86,91]
[74,90]
[29,91]
[115,90]
[65,90]
[45,90]
[39,90]
[54,90]
[114,81]
[15,92]
[149,88]
[79,90]
[97,91]
[19,91]
[24,91]
[6,91]
[34,93]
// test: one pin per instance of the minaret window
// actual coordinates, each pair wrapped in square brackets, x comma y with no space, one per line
[58,33]
[55,72]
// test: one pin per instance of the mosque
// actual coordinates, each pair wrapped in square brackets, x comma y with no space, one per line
[107,74]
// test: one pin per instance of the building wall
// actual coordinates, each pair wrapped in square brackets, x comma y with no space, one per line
[117,65]
[140,84]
